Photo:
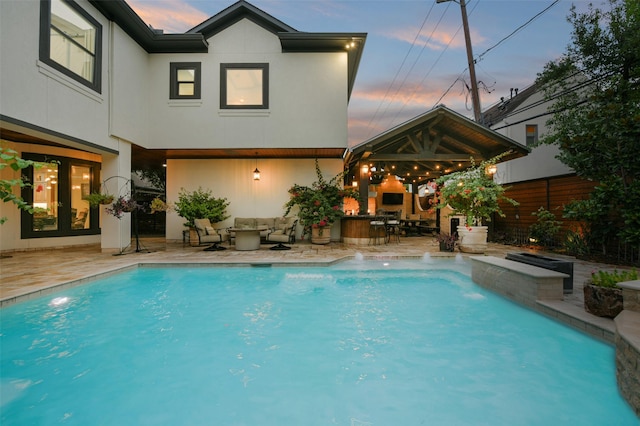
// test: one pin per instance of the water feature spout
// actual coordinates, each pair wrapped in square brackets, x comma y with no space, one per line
[426,258]
[359,257]
[459,258]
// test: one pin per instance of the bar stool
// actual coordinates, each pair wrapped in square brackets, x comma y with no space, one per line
[393,227]
[377,231]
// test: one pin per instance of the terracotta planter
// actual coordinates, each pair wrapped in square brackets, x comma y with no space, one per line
[472,239]
[317,238]
[602,301]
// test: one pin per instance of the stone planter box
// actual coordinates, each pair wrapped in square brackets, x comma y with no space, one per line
[550,263]
[602,301]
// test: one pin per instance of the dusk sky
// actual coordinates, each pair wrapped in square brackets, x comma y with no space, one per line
[415,55]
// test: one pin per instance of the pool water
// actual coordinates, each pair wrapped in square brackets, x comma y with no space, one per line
[358,343]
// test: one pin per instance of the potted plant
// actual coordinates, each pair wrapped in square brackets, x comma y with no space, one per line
[473,194]
[158,205]
[122,205]
[447,241]
[96,198]
[200,204]
[320,205]
[602,296]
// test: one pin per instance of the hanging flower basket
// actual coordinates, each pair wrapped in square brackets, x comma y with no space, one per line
[121,206]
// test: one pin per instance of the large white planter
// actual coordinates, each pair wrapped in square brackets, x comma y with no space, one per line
[472,239]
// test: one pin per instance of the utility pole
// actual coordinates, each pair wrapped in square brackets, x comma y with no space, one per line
[475,97]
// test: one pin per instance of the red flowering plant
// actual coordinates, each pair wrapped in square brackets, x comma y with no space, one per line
[121,206]
[473,193]
[321,203]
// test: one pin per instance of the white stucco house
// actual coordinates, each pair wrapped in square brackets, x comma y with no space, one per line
[522,116]
[87,83]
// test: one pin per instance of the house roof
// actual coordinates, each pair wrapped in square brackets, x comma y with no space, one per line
[195,40]
[498,112]
[430,145]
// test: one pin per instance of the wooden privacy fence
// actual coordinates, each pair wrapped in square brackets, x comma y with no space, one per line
[553,194]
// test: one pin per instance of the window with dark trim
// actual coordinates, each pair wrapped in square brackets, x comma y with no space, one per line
[70,41]
[185,80]
[244,86]
[531,134]
[59,196]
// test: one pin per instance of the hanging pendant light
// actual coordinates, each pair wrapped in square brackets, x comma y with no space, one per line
[256,172]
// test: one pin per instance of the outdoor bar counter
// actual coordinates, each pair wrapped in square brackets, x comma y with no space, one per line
[354,229]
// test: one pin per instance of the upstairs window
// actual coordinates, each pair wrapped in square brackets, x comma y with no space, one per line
[532,134]
[70,41]
[185,80]
[244,86]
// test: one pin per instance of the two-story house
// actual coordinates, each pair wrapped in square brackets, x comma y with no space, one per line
[88,84]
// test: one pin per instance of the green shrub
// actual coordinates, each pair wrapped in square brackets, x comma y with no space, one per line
[545,229]
[200,204]
[611,279]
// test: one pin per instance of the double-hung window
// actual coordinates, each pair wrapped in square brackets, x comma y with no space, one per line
[70,41]
[244,86]
[185,80]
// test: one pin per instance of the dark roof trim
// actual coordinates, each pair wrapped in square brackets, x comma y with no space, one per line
[235,13]
[328,42]
[121,13]
[195,40]
[23,126]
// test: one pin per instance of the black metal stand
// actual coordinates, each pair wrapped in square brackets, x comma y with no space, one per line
[280,246]
[215,247]
[139,246]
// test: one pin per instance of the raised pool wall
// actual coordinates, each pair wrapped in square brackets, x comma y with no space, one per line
[542,290]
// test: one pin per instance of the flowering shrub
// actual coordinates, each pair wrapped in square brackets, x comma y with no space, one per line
[321,203]
[472,193]
[121,206]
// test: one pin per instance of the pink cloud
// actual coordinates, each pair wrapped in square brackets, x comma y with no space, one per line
[435,40]
[172,16]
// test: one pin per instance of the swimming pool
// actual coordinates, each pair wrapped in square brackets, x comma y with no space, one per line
[358,343]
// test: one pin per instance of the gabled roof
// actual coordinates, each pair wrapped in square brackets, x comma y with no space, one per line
[236,12]
[431,144]
[291,39]
[195,40]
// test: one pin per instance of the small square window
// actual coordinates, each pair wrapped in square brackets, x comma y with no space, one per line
[185,80]
[244,86]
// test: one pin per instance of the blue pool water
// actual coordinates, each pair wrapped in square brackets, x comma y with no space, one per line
[358,343]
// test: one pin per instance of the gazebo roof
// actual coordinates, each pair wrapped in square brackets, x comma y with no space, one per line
[430,145]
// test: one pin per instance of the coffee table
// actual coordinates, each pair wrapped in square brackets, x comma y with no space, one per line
[248,238]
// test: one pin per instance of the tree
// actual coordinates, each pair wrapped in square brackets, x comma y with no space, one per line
[10,158]
[595,92]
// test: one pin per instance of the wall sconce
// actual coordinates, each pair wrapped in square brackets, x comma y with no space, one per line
[492,169]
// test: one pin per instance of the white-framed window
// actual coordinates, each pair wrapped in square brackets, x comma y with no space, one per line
[185,80]
[244,86]
[70,41]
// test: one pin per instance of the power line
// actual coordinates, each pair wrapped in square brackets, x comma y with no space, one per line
[480,56]
[406,56]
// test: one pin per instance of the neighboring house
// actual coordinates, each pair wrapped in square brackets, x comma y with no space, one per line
[539,179]
[88,84]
